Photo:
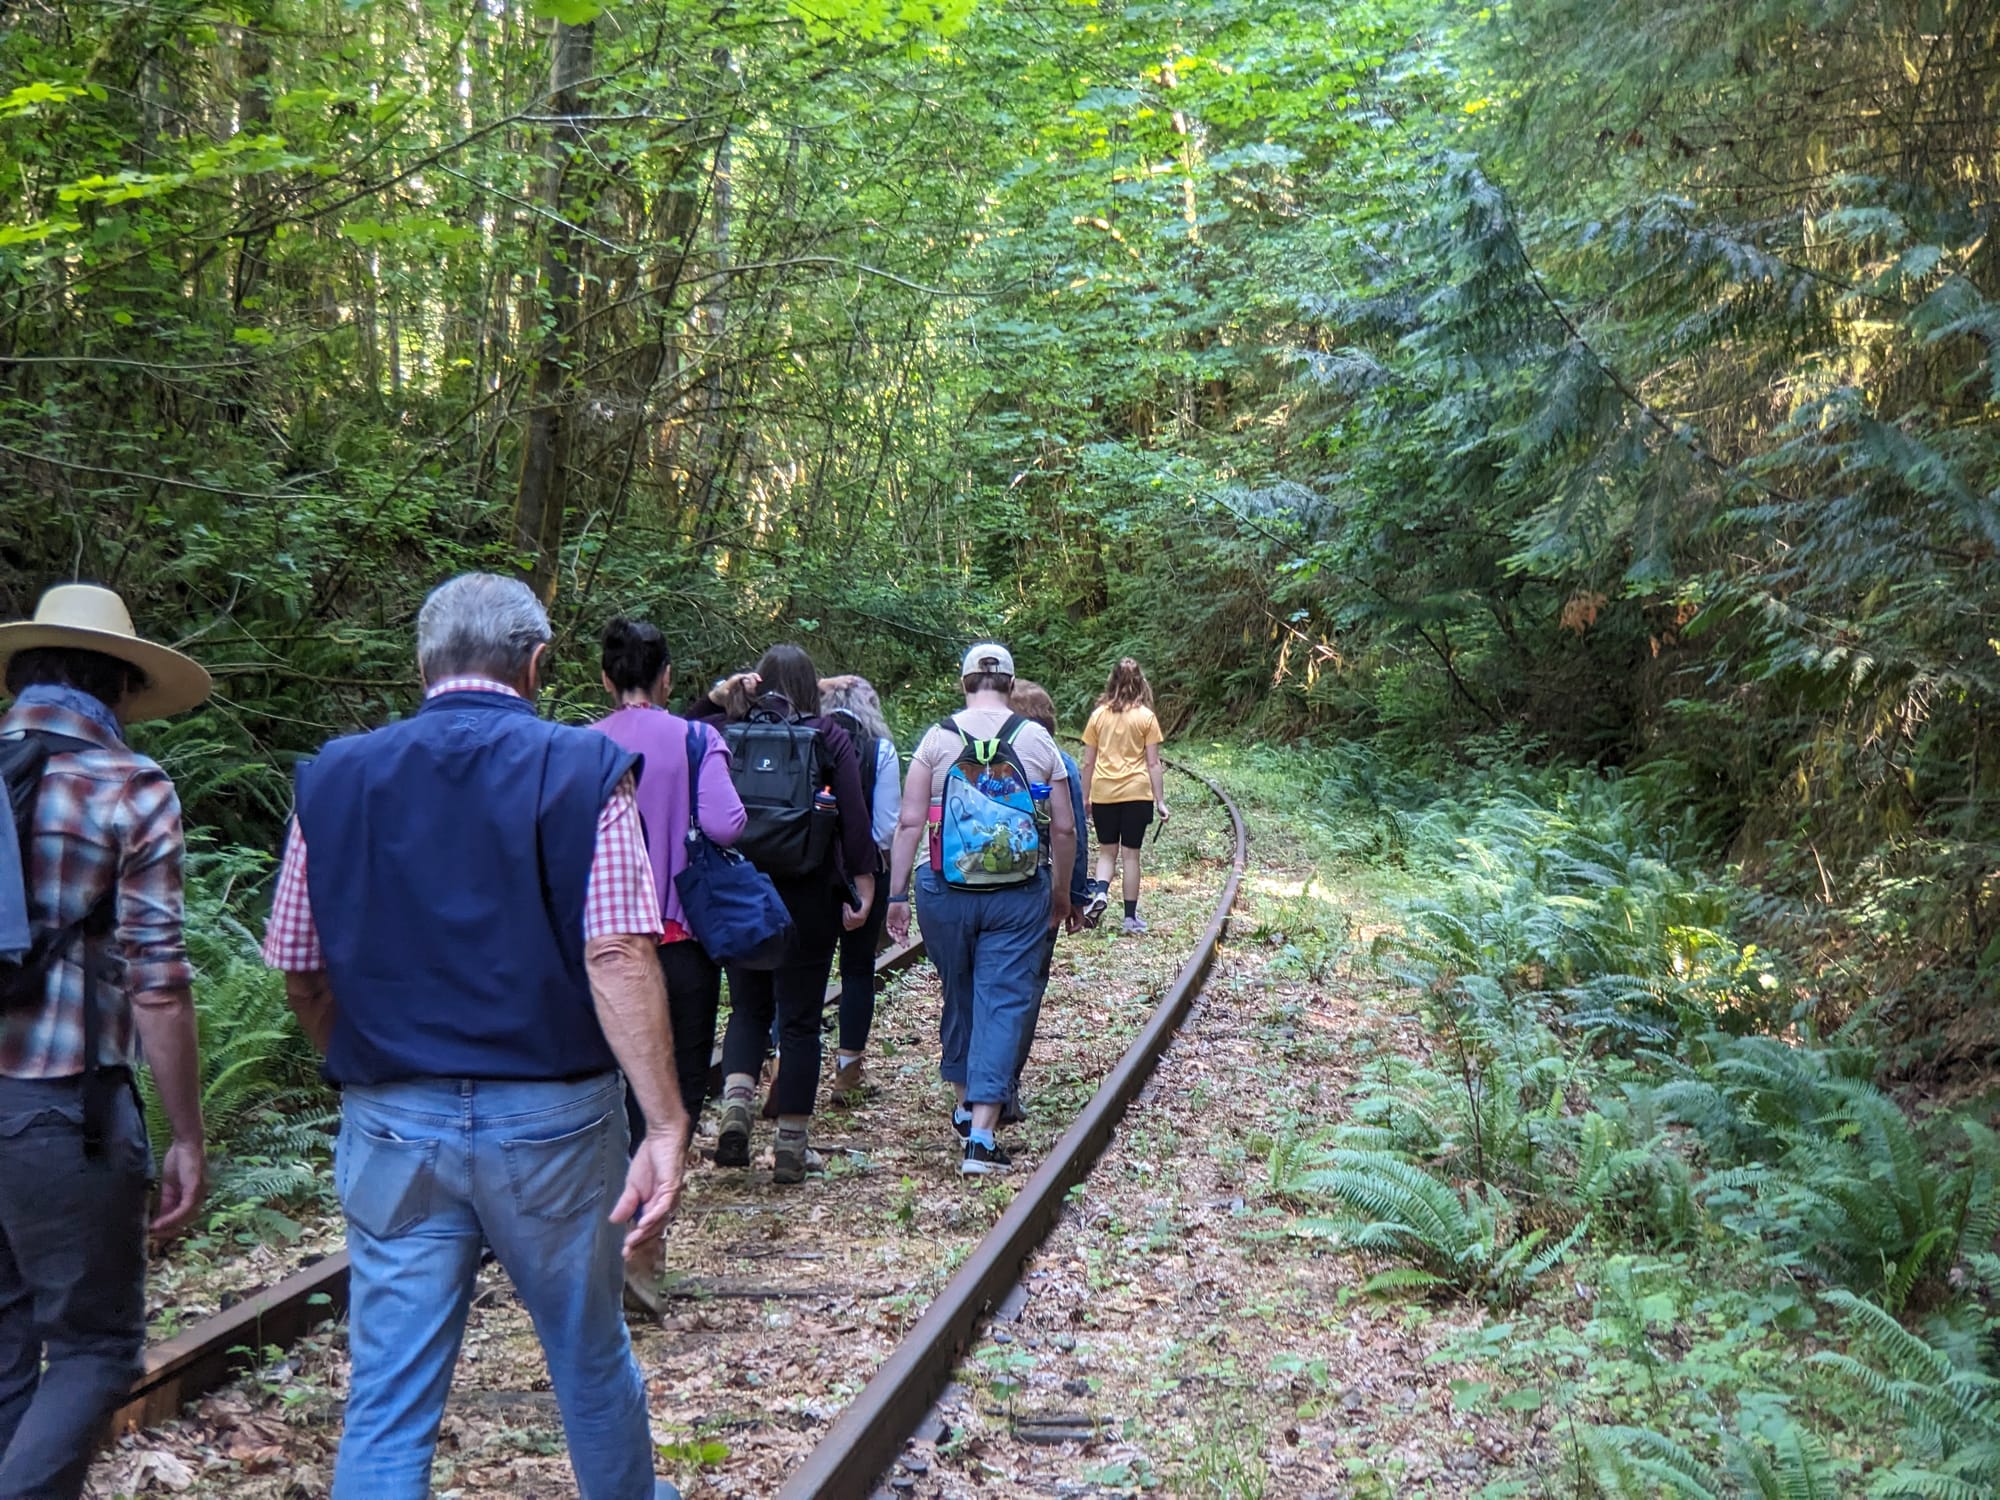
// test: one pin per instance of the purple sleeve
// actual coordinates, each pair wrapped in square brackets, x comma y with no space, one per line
[722,815]
[857,840]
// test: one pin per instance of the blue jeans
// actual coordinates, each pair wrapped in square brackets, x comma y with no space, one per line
[987,946]
[431,1170]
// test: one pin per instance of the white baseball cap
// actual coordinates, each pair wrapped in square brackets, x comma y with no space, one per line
[988,656]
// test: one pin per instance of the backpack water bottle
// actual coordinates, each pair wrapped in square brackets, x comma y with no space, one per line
[987,832]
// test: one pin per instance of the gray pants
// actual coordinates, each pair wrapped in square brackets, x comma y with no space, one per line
[72,1280]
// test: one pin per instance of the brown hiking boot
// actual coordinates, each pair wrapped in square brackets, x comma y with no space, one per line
[847,1077]
[732,1141]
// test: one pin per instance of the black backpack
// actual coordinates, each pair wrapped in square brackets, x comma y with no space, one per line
[24,980]
[779,764]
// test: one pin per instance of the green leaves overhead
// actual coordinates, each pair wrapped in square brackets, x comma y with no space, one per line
[570,12]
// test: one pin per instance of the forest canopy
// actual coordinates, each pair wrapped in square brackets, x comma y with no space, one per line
[1607,383]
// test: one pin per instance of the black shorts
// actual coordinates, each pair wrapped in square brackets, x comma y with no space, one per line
[1121,822]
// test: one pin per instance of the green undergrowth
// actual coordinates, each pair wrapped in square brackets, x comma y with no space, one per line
[269,1118]
[1716,1257]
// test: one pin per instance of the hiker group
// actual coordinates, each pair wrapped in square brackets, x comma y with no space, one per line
[508,938]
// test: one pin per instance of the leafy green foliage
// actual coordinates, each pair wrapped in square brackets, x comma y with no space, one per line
[269,1118]
[1447,1239]
[1950,1404]
[1716,1194]
[1633,1463]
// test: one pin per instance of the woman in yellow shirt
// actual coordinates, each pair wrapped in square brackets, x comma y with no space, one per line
[1123,785]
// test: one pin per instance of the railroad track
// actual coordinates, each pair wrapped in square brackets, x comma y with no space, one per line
[870,1432]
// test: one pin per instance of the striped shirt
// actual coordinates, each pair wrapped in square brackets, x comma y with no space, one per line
[619,899]
[106,820]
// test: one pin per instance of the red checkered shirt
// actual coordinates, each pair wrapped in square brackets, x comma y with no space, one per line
[105,819]
[619,899]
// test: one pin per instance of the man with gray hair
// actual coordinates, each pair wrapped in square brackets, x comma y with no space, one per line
[474,955]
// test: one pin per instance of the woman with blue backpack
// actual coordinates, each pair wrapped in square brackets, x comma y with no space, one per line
[991,789]
[637,673]
[852,703]
[685,784]
[808,829]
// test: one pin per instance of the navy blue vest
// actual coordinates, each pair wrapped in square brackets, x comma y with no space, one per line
[447,858]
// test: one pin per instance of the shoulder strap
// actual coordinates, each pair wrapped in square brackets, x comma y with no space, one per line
[1015,723]
[697,747]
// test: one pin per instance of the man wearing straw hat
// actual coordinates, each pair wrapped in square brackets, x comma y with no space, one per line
[93,963]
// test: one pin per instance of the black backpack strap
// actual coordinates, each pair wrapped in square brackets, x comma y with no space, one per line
[98,1090]
[1015,723]
[858,737]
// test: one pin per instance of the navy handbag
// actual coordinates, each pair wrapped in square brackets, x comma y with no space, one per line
[729,905]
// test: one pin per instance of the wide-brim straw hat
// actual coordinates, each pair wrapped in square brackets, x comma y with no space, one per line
[86,617]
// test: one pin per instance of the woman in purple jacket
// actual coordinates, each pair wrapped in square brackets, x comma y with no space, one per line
[637,673]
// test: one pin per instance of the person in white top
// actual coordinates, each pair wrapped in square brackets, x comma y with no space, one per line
[853,703]
[986,942]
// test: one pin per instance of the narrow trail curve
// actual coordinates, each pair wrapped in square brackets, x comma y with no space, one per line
[787,1299]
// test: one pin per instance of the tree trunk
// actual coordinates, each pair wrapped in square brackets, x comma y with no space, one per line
[540,502]
[712,453]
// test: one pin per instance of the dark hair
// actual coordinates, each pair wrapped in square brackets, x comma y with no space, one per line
[105,678]
[635,654]
[789,672]
[982,682]
[1032,702]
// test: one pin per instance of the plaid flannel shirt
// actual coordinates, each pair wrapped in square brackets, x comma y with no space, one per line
[106,819]
[620,897]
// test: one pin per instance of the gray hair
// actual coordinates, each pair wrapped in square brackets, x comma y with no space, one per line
[857,696]
[480,623]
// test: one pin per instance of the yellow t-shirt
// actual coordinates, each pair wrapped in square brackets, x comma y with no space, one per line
[1120,738]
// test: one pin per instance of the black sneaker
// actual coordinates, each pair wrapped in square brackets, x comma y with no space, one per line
[980,1159]
[1100,898]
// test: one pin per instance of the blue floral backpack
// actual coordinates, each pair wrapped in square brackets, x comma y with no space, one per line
[988,822]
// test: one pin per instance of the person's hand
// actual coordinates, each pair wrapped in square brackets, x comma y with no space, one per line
[1073,923]
[1058,909]
[183,1185]
[1162,810]
[852,917]
[746,684]
[652,1184]
[897,920]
